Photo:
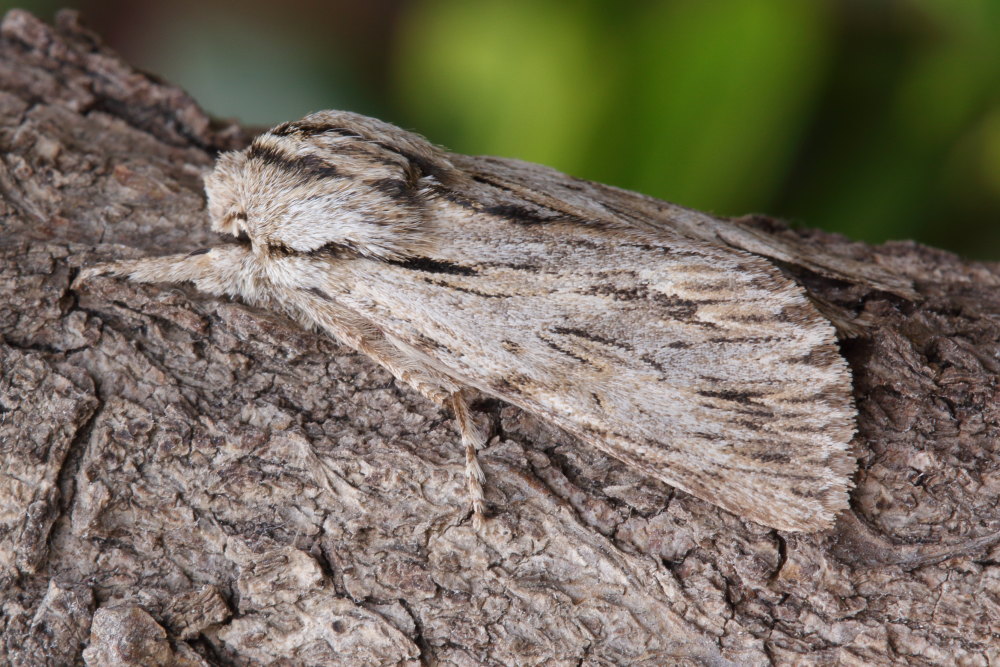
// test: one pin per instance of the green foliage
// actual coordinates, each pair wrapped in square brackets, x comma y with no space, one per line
[525,78]
[880,120]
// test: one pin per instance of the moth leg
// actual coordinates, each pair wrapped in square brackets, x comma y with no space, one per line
[473,439]
[404,363]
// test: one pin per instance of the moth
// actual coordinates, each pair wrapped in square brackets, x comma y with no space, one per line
[631,323]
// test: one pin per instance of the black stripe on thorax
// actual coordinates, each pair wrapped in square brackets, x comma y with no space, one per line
[426,165]
[311,166]
[306,129]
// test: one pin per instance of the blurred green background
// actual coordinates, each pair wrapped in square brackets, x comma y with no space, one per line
[879,119]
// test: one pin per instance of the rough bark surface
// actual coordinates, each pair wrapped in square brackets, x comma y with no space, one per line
[185,480]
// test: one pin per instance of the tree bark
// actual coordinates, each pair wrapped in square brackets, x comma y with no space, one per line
[187,480]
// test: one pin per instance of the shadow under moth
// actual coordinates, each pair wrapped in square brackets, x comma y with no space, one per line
[655,333]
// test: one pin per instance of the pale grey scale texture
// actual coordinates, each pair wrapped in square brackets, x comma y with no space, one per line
[589,200]
[752,453]
[644,334]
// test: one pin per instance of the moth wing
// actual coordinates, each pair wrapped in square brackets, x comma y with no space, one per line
[698,364]
[550,190]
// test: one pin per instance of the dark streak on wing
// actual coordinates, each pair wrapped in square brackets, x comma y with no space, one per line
[200,251]
[456,198]
[744,397]
[428,265]
[800,429]
[650,361]
[582,242]
[751,318]
[802,313]
[769,457]
[767,283]
[517,266]
[819,357]
[523,215]
[486,181]
[459,288]
[315,291]
[756,340]
[333,251]
[663,249]
[569,353]
[429,343]
[511,346]
[749,425]
[653,445]
[510,386]
[682,310]
[586,335]
[542,209]
[619,212]
[819,397]
[754,411]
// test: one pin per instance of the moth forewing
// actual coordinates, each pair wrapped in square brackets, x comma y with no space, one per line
[700,365]
[693,362]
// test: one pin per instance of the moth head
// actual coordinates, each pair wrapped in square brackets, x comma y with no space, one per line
[331,181]
[226,208]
